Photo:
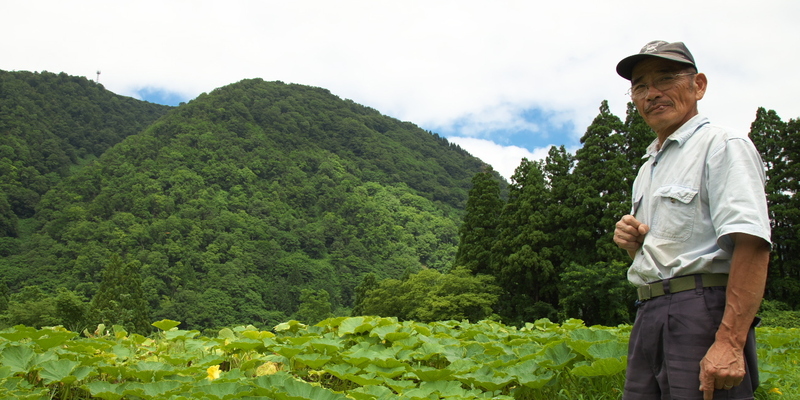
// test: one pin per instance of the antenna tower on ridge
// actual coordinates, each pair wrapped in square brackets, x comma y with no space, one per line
[98,77]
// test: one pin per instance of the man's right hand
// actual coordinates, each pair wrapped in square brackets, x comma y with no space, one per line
[629,234]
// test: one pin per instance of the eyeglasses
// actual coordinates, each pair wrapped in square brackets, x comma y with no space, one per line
[661,83]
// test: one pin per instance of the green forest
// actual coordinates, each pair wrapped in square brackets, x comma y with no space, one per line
[262,202]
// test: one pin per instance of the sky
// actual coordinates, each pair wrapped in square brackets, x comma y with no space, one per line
[502,79]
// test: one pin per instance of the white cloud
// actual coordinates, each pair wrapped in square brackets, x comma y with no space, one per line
[504,159]
[463,65]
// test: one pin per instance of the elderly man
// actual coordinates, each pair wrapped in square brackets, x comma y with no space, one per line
[699,237]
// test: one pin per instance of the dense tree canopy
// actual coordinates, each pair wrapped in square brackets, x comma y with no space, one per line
[553,254]
[478,231]
[240,204]
[777,142]
[50,124]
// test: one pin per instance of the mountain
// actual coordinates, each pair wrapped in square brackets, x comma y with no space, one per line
[50,124]
[233,204]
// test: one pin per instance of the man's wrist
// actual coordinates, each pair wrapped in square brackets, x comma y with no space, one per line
[734,338]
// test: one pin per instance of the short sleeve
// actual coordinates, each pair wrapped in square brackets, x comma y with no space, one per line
[737,201]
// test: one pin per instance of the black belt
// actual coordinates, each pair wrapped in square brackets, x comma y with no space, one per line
[679,284]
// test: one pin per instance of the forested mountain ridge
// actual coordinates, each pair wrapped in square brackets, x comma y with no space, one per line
[50,123]
[262,202]
[234,204]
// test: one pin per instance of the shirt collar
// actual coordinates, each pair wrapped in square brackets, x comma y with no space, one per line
[680,136]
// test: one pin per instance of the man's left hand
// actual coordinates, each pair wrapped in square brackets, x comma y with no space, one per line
[721,368]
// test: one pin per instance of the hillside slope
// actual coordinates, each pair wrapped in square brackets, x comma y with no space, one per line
[236,202]
[50,123]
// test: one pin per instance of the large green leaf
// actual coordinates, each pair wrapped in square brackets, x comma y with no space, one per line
[581,339]
[166,324]
[371,392]
[20,333]
[284,387]
[290,326]
[591,335]
[602,367]
[326,346]
[258,335]
[530,374]
[56,371]
[242,344]
[429,350]
[313,360]
[387,372]
[150,371]
[556,356]
[526,348]
[104,390]
[366,353]
[777,340]
[226,333]
[221,390]
[355,325]
[399,385]
[180,334]
[444,389]
[486,377]
[367,378]
[18,358]
[382,331]
[53,338]
[152,390]
[611,349]
[425,373]
[288,351]
[342,371]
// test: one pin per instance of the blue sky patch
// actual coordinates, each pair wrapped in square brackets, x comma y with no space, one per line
[161,96]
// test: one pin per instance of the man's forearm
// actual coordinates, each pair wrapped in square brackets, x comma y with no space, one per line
[745,290]
[723,366]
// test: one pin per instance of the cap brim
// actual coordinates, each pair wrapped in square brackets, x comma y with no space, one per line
[625,67]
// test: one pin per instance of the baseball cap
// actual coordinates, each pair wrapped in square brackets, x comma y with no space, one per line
[676,51]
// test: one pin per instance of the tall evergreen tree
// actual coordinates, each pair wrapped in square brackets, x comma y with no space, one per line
[776,142]
[638,135]
[600,185]
[120,299]
[791,264]
[479,229]
[522,261]
[601,189]
[560,213]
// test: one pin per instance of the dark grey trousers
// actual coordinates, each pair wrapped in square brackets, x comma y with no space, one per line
[669,338]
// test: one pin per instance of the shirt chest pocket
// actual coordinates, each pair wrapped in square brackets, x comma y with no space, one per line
[675,212]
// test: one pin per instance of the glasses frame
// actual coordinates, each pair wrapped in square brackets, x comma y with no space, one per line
[661,85]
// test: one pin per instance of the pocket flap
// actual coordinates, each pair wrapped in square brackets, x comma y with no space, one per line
[680,193]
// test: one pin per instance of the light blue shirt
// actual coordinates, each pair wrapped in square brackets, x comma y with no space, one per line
[704,184]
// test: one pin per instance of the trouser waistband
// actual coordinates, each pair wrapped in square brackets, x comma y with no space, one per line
[680,284]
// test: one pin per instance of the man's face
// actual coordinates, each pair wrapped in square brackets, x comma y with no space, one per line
[665,110]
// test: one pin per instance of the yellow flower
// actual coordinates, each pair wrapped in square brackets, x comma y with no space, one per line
[268,368]
[776,391]
[213,372]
